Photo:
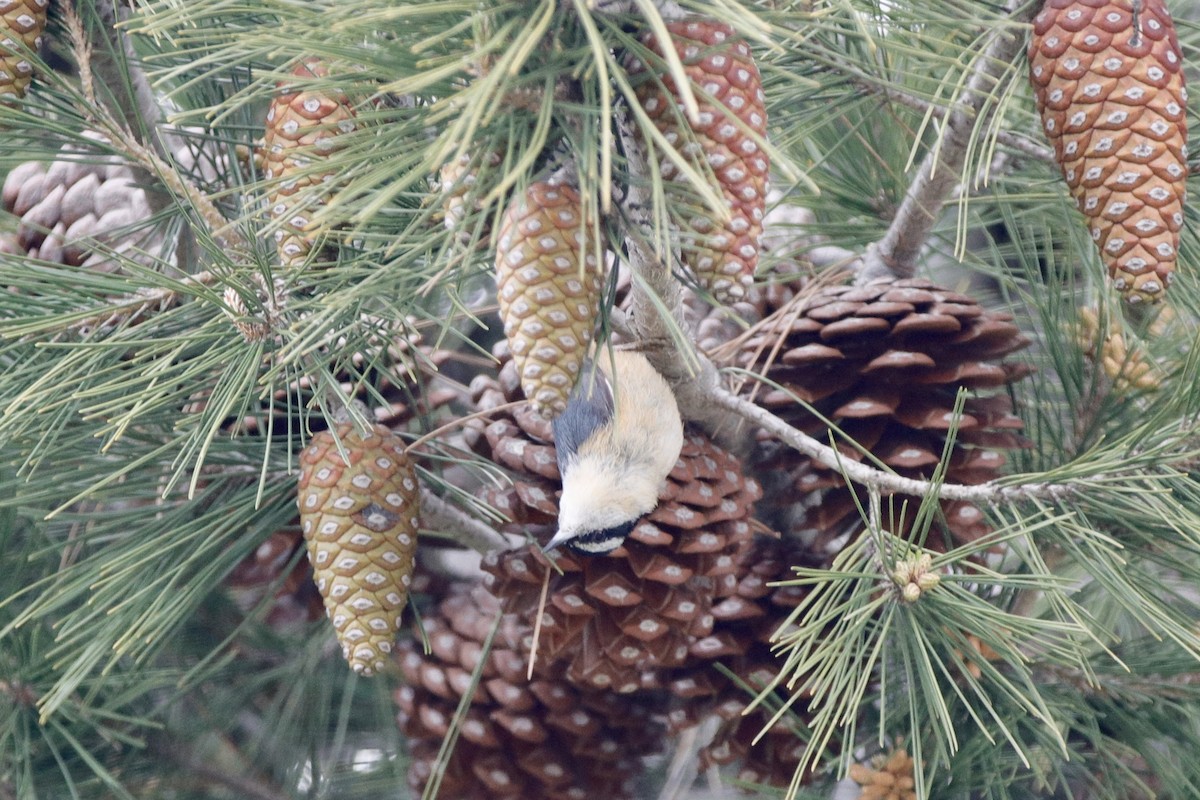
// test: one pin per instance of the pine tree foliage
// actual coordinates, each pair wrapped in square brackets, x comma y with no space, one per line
[153,410]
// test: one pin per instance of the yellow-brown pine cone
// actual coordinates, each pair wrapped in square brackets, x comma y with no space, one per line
[79,212]
[542,739]
[548,288]
[885,363]
[360,520]
[722,255]
[1108,77]
[303,126]
[21,25]
[458,182]
[887,778]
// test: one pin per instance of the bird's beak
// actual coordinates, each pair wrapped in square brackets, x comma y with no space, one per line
[560,538]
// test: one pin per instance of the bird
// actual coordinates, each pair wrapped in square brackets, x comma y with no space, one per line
[617,440]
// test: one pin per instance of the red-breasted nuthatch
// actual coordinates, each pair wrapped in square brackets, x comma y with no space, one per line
[617,440]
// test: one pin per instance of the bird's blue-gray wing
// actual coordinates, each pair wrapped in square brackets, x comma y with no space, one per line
[589,406]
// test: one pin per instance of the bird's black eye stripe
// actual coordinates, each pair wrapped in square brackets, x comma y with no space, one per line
[596,542]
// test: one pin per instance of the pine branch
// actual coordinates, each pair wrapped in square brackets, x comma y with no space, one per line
[117,65]
[134,307]
[657,317]
[465,529]
[124,139]
[897,252]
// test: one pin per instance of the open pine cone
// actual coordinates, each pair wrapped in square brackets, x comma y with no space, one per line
[743,623]
[885,362]
[520,739]
[615,619]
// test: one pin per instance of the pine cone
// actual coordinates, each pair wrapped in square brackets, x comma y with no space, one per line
[21,25]
[360,519]
[885,363]
[1109,84]
[303,126]
[641,606]
[460,196]
[80,214]
[722,255]
[296,598]
[548,286]
[543,739]
[743,624]
[889,778]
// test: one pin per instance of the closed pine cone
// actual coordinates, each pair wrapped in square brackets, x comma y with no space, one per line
[295,598]
[722,254]
[1108,78]
[80,212]
[304,126]
[21,25]
[885,363]
[520,739]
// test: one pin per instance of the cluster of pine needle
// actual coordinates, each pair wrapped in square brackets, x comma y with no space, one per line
[935,528]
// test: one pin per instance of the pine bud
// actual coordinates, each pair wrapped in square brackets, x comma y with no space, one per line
[1109,85]
[548,287]
[21,26]
[302,129]
[359,514]
[722,254]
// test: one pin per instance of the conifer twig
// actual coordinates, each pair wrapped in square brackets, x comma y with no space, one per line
[130,307]
[698,389]
[870,477]
[139,105]
[468,531]
[125,140]
[896,253]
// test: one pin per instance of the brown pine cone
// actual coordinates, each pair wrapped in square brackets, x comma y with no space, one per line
[80,214]
[1108,78]
[304,125]
[646,605]
[614,618]
[885,363]
[743,624]
[543,739]
[722,254]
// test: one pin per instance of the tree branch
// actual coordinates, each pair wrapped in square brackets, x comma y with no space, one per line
[896,253]
[703,398]
[473,533]
[870,477]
